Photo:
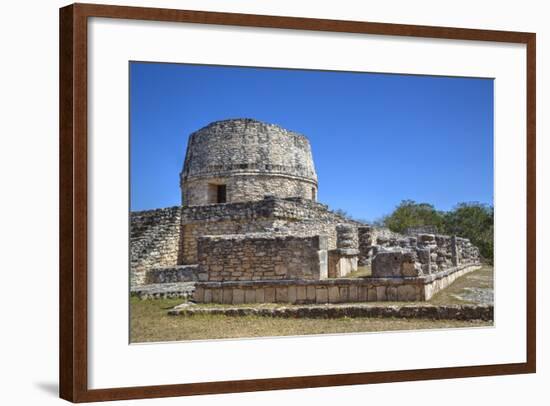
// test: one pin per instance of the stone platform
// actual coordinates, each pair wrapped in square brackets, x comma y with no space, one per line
[340,290]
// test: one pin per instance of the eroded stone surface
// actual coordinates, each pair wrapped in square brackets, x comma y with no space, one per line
[442,312]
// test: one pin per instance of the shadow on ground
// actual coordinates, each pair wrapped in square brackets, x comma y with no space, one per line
[50,388]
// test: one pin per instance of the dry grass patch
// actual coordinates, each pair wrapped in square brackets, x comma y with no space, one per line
[149,322]
[481,279]
[362,271]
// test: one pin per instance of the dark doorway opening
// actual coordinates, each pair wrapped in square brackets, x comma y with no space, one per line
[221,194]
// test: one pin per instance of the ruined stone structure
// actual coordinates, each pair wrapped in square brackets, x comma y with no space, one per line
[250,230]
[244,160]
[263,256]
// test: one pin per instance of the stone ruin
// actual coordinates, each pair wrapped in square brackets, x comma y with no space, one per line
[250,230]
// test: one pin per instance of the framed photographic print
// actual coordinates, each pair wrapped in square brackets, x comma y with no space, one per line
[287,202]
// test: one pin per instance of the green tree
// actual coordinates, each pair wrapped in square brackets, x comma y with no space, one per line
[470,220]
[411,214]
[474,221]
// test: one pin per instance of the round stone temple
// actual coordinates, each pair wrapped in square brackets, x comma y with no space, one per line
[243,160]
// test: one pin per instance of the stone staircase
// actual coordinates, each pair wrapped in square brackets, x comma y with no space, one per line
[154,240]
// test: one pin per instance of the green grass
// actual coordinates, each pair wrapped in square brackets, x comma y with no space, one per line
[149,320]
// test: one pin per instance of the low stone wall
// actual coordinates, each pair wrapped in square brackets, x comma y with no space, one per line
[291,216]
[178,273]
[436,282]
[259,256]
[422,255]
[193,231]
[179,290]
[295,216]
[417,311]
[329,290]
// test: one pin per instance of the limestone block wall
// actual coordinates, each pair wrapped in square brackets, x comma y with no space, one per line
[193,231]
[155,241]
[292,216]
[252,158]
[343,260]
[329,290]
[262,256]
[302,216]
[247,187]
[423,255]
[370,236]
[175,274]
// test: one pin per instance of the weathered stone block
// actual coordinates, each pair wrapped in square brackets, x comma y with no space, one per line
[372,295]
[387,264]
[362,294]
[353,293]
[281,294]
[216,295]
[227,295]
[269,295]
[310,293]
[301,295]
[333,294]
[381,293]
[238,296]
[250,296]
[199,295]
[344,293]
[321,295]
[260,298]
[391,293]
[406,293]
[292,294]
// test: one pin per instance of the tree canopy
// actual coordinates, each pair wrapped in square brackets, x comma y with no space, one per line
[472,220]
[411,214]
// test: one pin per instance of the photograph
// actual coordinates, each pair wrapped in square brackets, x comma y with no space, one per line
[289,202]
[269,203]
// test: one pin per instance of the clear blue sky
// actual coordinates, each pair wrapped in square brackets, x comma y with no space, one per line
[376,138]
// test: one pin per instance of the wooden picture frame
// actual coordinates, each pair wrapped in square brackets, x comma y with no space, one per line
[74,201]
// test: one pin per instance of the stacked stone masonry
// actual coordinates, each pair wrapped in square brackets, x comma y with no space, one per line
[423,254]
[340,290]
[250,159]
[293,216]
[262,256]
[155,241]
[343,260]
[369,237]
[168,237]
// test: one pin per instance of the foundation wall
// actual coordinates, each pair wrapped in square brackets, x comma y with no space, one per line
[293,216]
[329,290]
[262,256]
